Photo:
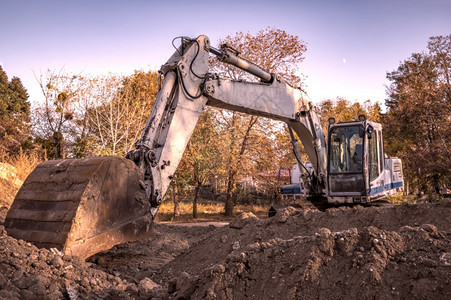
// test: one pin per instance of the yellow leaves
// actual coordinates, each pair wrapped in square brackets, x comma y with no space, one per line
[417,122]
[109,110]
[62,97]
[271,48]
[343,111]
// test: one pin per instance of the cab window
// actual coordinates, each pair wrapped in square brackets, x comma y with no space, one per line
[346,149]
[373,156]
[381,151]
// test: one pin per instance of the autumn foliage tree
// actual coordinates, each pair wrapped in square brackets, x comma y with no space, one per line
[121,110]
[92,115]
[418,123]
[276,51]
[343,110]
[54,120]
[202,157]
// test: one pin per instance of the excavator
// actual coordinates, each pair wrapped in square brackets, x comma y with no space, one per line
[84,206]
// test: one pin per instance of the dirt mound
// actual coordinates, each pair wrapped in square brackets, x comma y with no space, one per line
[401,251]
[28,272]
[395,251]
[32,273]
[414,263]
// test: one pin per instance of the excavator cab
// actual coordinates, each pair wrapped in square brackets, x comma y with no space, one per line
[355,161]
[345,169]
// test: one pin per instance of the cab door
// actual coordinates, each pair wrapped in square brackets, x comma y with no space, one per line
[375,162]
[346,159]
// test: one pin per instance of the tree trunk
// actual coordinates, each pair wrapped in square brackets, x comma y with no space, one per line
[230,201]
[58,150]
[228,209]
[196,196]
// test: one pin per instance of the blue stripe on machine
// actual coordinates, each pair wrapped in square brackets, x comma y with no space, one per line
[388,186]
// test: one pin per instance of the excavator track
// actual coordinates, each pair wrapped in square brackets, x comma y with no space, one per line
[81,206]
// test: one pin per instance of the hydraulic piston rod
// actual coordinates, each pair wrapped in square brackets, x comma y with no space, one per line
[229,57]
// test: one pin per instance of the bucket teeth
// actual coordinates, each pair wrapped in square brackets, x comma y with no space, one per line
[81,206]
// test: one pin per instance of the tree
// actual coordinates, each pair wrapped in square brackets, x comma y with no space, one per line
[274,50]
[56,119]
[93,115]
[121,110]
[418,123]
[270,151]
[201,156]
[14,113]
[344,111]
[239,135]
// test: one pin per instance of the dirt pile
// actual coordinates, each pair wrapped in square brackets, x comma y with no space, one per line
[401,251]
[379,252]
[31,273]
[414,263]
[28,272]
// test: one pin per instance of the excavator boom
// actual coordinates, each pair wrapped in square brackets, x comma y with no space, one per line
[84,206]
[188,87]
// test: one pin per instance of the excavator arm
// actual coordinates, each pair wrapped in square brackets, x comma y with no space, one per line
[177,108]
[278,101]
[188,88]
[84,206]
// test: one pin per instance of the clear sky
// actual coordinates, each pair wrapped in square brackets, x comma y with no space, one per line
[351,44]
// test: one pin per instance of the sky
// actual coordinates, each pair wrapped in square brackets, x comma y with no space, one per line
[351,45]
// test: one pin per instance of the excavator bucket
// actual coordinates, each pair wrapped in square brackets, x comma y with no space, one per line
[81,206]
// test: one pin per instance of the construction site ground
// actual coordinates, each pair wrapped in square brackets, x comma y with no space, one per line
[388,252]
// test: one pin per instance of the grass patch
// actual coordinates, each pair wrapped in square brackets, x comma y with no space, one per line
[414,199]
[206,211]
[13,171]
[398,198]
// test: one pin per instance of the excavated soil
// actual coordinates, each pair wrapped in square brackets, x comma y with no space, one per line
[401,251]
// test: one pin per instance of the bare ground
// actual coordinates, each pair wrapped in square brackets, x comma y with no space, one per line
[399,252]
